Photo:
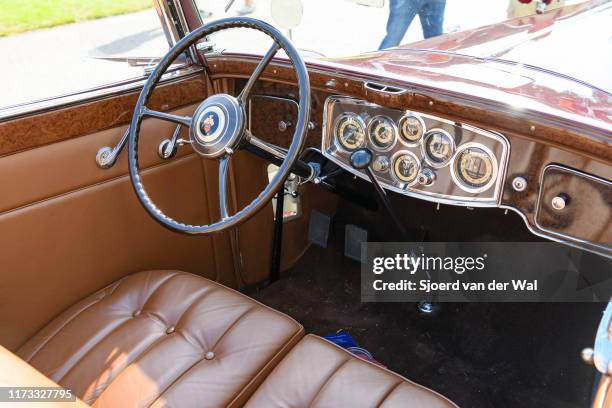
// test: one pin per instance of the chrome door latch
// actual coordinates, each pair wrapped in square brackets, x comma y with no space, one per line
[107,156]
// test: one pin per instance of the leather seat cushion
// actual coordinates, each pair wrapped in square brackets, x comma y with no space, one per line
[317,373]
[163,338]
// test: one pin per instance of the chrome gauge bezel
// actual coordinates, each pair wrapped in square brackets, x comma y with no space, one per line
[362,124]
[400,182]
[335,106]
[399,129]
[457,178]
[394,128]
[424,149]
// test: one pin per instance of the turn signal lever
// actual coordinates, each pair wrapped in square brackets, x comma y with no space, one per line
[361,160]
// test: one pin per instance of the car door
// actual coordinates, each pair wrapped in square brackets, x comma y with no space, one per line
[68,226]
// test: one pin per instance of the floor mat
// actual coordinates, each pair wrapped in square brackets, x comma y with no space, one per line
[478,355]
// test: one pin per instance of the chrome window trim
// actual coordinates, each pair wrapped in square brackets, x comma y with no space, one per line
[91,95]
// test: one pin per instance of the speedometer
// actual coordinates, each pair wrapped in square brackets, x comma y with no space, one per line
[350,131]
[382,132]
[474,167]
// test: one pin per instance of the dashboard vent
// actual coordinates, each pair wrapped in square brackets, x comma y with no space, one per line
[384,88]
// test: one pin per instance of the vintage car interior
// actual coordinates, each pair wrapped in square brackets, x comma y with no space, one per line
[186,239]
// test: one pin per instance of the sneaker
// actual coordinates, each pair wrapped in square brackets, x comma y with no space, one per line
[246,10]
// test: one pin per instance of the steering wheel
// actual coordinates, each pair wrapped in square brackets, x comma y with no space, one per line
[217,128]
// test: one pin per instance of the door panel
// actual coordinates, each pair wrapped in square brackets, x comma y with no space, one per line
[55,169]
[68,228]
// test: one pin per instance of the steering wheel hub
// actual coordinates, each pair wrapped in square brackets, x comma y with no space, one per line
[217,124]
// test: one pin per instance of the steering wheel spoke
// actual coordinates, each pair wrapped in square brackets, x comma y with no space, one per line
[259,69]
[178,119]
[257,144]
[223,186]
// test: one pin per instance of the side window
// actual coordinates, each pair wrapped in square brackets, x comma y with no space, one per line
[50,48]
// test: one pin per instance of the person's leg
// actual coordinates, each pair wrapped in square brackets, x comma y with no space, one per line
[432,17]
[401,14]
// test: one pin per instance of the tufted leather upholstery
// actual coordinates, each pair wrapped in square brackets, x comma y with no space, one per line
[163,338]
[317,373]
[15,372]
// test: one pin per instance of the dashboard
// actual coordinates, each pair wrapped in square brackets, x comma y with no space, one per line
[417,154]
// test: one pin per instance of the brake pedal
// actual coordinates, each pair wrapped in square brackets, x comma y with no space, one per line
[318,228]
[353,237]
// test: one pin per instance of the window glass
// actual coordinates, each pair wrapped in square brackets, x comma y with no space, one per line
[349,27]
[517,30]
[56,47]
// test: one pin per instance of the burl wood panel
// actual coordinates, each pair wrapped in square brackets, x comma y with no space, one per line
[528,156]
[562,133]
[40,129]
[270,105]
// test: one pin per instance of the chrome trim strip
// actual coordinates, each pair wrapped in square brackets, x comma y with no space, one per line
[494,201]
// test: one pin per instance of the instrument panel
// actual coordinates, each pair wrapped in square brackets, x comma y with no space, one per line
[417,154]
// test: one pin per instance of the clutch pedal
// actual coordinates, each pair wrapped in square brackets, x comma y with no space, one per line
[353,237]
[318,228]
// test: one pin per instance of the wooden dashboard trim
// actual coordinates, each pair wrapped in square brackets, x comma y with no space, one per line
[38,129]
[593,142]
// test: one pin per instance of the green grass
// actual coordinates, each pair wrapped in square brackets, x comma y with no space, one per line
[24,15]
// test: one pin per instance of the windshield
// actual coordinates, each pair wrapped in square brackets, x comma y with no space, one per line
[337,28]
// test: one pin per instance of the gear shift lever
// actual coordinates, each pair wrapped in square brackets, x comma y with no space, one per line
[361,160]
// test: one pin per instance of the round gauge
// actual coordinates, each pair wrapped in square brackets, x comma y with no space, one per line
[350,131]
[474,167]
[411,128]
[382,132]
[405,167]
[438,147]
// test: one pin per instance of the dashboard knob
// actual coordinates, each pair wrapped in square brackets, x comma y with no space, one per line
[381,164]
[560,202]
[426,177]
[360,159]
[284,125]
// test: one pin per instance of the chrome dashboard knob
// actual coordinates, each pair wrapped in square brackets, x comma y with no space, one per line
[560,202]
[284,125]
[381,164]
[426,177]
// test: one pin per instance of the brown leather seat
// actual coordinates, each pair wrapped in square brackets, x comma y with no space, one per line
[163,338]
[317,373]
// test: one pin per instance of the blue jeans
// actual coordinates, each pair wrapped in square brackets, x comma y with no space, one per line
[401,14]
